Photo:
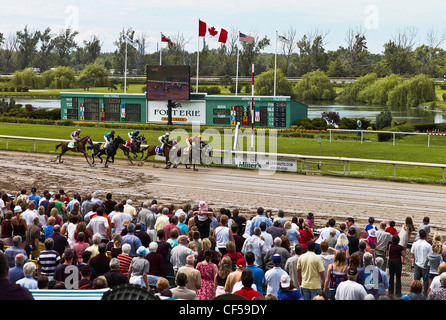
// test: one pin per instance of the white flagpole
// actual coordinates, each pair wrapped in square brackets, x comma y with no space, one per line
[275,67]
[198,54]
[236,75]
[252,108]
[125,69]
[161,50]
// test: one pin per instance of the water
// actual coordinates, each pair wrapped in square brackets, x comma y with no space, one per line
[40,103]
[399,114]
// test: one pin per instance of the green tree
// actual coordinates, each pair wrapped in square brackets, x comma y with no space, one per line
[93,75]
[353,89]
[26,45]
[383,119]
[64,44]
[315,86]
[264,84]
[44,56]
[413,92]
[249,54]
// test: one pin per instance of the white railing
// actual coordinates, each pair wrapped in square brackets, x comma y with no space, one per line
[428,134]
[346,161]
[304,158]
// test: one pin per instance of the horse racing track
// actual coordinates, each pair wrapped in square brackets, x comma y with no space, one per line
[296,194]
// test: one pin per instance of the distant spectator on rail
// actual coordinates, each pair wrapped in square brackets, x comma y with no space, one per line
[370,225]
[406,232]
[426,227]
[420,251]
[391,228]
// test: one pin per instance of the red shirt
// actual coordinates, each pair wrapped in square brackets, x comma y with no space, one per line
[305,236]
[248,292]
[391,230]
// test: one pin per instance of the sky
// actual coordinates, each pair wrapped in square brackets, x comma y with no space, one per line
[380,19]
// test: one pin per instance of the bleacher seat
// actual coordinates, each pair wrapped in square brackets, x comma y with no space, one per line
[65,294]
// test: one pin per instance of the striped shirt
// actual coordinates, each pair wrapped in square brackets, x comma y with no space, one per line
[124,263]
[48,260]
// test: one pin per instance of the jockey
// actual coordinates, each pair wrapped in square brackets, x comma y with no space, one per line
[189,143]
[76,136]
[109,137]
[164,139]
[132,135]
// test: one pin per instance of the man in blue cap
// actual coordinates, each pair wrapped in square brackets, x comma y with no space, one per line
[273,276]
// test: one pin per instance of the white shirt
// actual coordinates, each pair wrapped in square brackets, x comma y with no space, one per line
[29,215]
[268,239]
[325,233]
[272,277]
[99,225]
[420,249]
[350,290]
[118,219]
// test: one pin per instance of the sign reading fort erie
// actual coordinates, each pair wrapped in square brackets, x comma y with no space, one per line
[186,112]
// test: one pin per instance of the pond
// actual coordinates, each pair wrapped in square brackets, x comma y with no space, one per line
[399,114]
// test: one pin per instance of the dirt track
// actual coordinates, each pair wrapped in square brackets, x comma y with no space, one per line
[297,194]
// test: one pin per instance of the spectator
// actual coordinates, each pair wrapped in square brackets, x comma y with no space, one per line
[291,264]
[426,227]
[353,241]
[208,270]
[157,269]
[220,278]
[119,217]
[193,275]
[416,291]
[100,283]
[433,261]
[287,290]
[150,223]
[164,249]
[100,262]
[28,282]
[306,234]
[436,283]
[66,269]
[33,236]
[109,203]
[310,273]
[267,237]
[384,285]
[257,246]
[325,234]
[125,259]
[369,226]
[100,224]
[336,273]
[15,249]
[235,276]
[162,220]
[261,217]
[85,282]
[350,289]
[420,251]
[276,230]
[42,282]
[181,224]
[60,242]
[342,244]
[173,224]
[383,240]
[369,277]
[8,290]
[179,254]
[139,268]
[350,223]
[391,228]
[181,291]
[132,239]
[273,275]
[16,273]
[142,235]
[406,232]
[396,254]
[130,209]
[19,225]
[276,249]
[48,259]
[232,254]
[6,229]
[222,234]
[247,279]
[291,233]
[439,293]
[113,276]
[50,227]
[238,239]
[326,257]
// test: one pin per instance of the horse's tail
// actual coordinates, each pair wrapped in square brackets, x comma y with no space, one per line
[57,147]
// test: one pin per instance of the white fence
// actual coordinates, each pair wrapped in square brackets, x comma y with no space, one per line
[304,159]
[361,131]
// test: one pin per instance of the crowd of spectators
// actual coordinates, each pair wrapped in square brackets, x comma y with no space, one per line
[52,240]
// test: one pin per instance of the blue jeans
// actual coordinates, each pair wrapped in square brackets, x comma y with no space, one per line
[309,294]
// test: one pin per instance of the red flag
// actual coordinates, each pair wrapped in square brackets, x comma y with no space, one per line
[219,34]
[166,39]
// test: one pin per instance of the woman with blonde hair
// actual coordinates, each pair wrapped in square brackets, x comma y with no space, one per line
[406,232]
[342,244]
[292,234]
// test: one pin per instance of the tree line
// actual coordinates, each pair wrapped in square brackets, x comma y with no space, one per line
[401,55]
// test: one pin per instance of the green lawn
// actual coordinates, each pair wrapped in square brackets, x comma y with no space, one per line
[410,148]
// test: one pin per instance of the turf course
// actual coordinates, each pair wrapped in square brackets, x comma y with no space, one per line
[408,148]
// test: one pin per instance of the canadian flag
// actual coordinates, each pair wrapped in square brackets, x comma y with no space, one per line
[219,34]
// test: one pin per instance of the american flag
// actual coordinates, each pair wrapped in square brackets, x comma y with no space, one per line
[244,38]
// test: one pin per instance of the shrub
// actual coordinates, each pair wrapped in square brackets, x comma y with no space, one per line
[314,86]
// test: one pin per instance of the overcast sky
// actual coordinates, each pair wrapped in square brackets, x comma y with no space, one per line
[381,19]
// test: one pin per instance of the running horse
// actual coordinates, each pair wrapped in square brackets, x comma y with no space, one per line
[194,155]
[135,148]
[151,151]
[112,149]
[79,146]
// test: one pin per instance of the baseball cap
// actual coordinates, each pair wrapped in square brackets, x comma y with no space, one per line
[241,263]
[285,280]
[17,209]
[276,258]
